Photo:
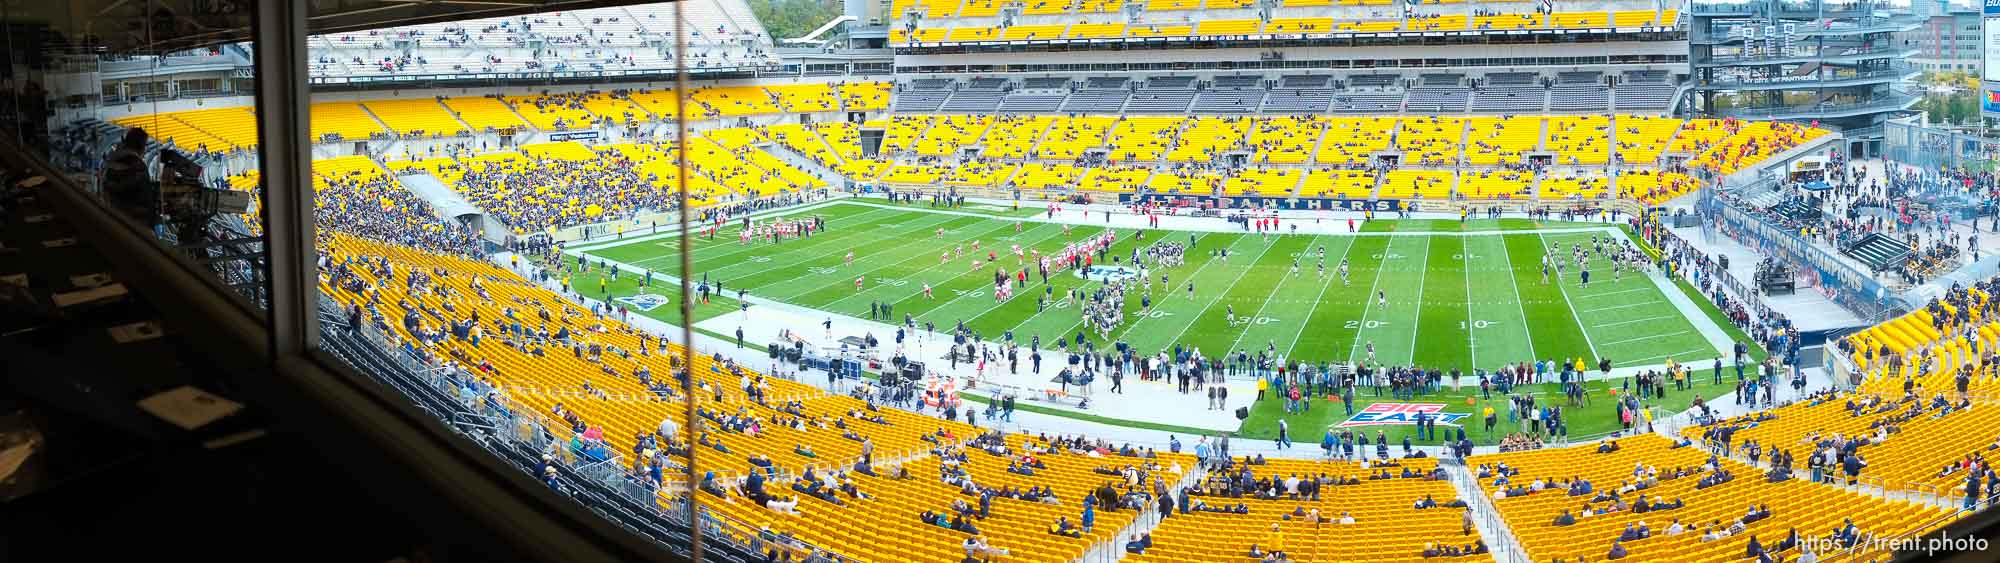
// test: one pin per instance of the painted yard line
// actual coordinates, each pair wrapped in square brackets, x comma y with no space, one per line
[1520,304]
[1289,348]
[1267,302]
[1222,227]
[673,245]
[676,231]
[1251,265]
[819,240]
[802,256]
[1568,303]
[996,302]
[1647,319]
[1086,283]
[1649,358]
[869,237]
[1617,307]
[1471,341]
[1646,337]
[1695,312]
[1416,322]
[1165,292]
[1610,293]
[946,304]
[1368,302]
[762,269]
[672,240]
[912,275]
[753,246]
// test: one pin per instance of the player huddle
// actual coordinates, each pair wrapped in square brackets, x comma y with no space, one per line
[1622,254]
[776,230]
[1167,254]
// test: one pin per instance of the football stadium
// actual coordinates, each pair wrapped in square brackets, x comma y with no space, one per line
[945,280]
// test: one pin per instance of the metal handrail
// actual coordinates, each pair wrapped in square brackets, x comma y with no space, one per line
[1899,541]
[1734,59]
[1895,70]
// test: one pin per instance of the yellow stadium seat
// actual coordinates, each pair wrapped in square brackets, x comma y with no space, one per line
[1348,184]
[345,120]
[1431,140]
[1157,30]
[1030,32]
[484,113]
[416,117]
[1227,27]
[1096,30]
[1142,139]
[1299,25]
[1208,138]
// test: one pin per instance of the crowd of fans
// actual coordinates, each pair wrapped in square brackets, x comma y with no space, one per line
[1735,151]
[1678,257]
[595,39]
[376,207]
[544,194]
[1842,203]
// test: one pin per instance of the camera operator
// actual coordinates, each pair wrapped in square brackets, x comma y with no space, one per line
[128,184]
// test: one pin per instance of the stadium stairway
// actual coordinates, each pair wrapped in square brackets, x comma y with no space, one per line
[1137,528]
[526,124]
[1486,517]
[441,396]
[803,162]
[1533,514]
[1319,140]
[1114,549]
[384,123]
[1668,142]
[1542,137]
[1008,178]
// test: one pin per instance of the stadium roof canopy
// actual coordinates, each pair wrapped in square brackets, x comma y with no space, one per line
[161,26]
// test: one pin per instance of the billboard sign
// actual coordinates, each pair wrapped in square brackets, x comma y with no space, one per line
[1992,48]
[1989,94]
[573,136]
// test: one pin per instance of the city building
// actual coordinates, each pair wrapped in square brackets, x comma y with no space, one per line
[1949,39]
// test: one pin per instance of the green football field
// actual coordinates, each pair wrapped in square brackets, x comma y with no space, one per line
[1456,295]
[1453,295]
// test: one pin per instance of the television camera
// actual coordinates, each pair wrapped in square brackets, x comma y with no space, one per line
[187,204]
